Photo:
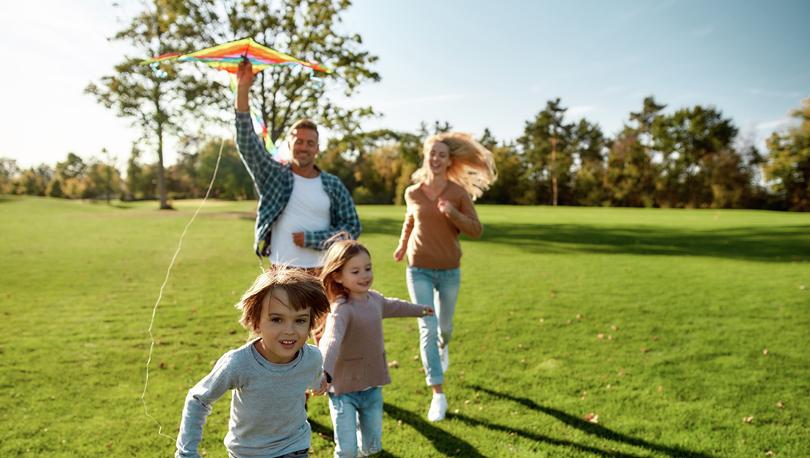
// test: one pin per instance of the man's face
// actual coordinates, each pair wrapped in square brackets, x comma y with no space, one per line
[304,147]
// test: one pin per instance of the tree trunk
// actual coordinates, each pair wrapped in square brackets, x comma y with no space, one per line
[164,204]
[554,171]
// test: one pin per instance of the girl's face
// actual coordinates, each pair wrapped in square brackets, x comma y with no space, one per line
[283,331]
[356,275]
[438,159]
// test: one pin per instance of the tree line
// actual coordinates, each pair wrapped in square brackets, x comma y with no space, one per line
[692,157]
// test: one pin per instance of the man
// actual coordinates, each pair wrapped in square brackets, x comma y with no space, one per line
[300,206]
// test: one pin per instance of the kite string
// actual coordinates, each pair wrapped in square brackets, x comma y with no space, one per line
[160,294]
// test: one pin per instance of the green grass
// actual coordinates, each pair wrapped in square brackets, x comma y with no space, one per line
[685,302]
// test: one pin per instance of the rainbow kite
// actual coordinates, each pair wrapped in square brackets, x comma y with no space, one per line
[228,56]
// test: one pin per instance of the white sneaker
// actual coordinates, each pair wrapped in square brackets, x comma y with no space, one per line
[438,407]
[444,354]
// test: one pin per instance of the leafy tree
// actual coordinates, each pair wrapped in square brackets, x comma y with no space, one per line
[310,30]
[590,151]
[151,97]
[34,181]
[698,157]
[630,174]
[547,146]
[788,164]
[9,172]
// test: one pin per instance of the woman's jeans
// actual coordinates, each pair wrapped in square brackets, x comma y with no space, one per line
[437,288]
[357,418]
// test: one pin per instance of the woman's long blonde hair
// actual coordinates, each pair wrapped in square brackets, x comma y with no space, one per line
[472,166]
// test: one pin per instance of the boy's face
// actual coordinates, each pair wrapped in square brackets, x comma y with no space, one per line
[283,331]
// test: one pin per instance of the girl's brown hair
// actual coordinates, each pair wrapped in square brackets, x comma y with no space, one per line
[335,258]
[303,289]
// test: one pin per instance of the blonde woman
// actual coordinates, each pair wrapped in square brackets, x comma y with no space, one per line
[456,169]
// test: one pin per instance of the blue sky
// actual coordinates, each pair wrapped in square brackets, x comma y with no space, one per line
[475,64]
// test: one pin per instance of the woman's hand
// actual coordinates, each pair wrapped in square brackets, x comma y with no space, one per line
[399,253]
[447,208]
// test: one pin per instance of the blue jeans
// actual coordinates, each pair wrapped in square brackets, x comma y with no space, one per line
[437,288]
[358,409]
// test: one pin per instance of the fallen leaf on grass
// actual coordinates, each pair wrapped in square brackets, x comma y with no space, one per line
[591,417]
[645,350]
[801,287]
[770,453]
[579,316]
[600,336]
[614,328]
[660,388]
[765,352]
[748,419]
[780,405]
[394,364]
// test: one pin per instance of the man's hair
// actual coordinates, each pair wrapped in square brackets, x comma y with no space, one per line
[304,290]
[303,124]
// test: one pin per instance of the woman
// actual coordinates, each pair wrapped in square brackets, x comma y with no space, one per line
[456,170]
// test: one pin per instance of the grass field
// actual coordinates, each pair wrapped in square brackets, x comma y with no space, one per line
[686,332]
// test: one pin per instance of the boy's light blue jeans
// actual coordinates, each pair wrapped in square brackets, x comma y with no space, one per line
[437,288]
[358,409]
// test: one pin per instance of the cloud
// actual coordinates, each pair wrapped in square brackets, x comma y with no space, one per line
[773,124]
[703,31]
[580,110]
[771,93]
[423,100]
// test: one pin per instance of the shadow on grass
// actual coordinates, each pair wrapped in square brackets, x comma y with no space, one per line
[442,441]
[325,432]
[580,424]
[769,244]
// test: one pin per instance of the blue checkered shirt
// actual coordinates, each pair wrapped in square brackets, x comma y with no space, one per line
[274,184]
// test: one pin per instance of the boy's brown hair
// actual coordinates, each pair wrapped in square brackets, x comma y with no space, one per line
[304,290]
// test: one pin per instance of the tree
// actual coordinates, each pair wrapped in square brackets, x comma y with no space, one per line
[788,164]
[590,151]
[546,144]
[152,97]
[34,181]
[697,156]
[9,172]
[309,30]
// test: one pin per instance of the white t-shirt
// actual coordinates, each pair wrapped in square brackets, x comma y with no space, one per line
[307,210]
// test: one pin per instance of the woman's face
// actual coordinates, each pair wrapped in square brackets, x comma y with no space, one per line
[438,159]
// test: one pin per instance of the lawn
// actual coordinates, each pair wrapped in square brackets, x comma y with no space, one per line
[579,331]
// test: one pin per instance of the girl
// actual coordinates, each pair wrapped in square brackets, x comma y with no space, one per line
[352,347]
[456,170]
[269,375]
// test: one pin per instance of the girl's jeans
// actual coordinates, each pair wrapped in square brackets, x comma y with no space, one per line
[358,409]
[437,288]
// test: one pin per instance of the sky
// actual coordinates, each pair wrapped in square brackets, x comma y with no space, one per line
[474,63]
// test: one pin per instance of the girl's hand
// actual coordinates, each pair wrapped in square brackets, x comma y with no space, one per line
[321,389]
[399,253]
[447,208]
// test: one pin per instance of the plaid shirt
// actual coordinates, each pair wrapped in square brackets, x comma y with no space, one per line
[274,184]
